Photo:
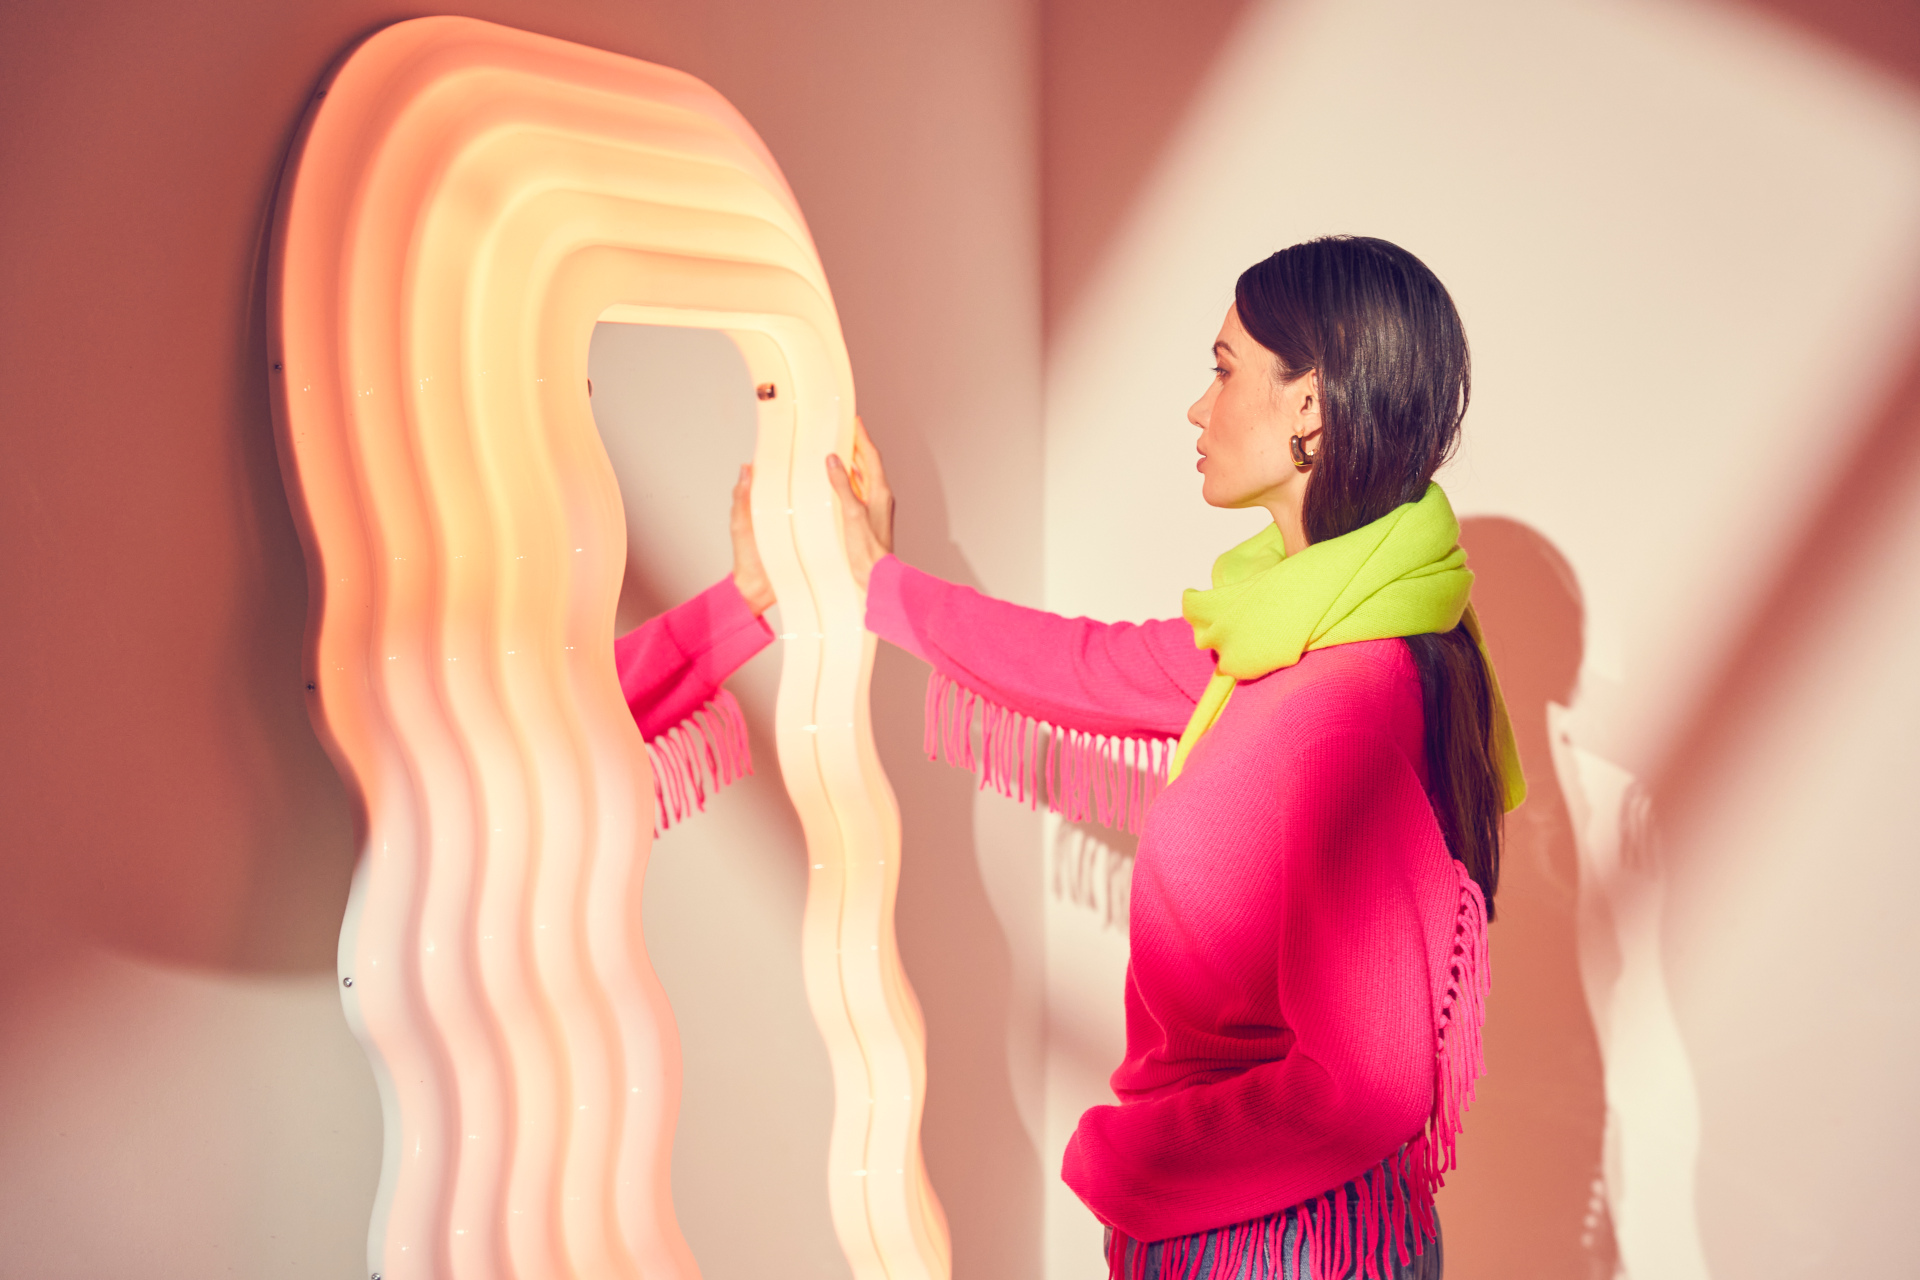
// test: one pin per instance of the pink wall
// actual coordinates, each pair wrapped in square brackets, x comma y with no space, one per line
[178,1093]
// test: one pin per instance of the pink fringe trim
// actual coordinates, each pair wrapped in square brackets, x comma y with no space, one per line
[1361,1229]
[1463,1010]
[1084,777]
[1386,1216]
[697,757]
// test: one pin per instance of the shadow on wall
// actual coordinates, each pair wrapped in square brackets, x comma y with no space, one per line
[980,1157]
[1092,868]
[1116,80]
[190,814]
[1528,1199]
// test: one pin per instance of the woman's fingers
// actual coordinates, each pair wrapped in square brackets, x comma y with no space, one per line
[871,477]
[866,461]
[863,549]
[742,498]
[740,518]
[852,509]
[749,573]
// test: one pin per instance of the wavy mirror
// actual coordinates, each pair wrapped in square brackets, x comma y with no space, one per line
[464,204]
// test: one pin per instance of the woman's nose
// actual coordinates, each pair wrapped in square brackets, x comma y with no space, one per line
[1200,413]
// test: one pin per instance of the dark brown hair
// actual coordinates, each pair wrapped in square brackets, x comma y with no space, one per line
[1381,331]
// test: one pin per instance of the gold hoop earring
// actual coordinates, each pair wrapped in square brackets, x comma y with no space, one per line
[1302,460]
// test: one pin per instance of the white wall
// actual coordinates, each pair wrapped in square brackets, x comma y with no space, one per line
[1682,241]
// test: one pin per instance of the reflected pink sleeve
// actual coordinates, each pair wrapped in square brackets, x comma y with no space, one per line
[673,665]
[1121,679]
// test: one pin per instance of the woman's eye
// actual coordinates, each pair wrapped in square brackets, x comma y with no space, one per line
[1218,372]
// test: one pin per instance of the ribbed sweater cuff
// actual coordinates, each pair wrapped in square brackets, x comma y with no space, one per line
[718,630]
[896,594]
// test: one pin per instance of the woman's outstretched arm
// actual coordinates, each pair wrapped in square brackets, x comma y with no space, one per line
[673,665]
[1121,679]
[1133,680]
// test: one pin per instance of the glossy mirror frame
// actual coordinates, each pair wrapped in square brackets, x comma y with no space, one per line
[463,204]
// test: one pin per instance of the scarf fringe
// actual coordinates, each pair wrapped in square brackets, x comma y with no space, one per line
[1083,777]
[1383,1219]
[696,758]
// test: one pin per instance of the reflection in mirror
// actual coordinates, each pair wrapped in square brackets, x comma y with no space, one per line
[725,888]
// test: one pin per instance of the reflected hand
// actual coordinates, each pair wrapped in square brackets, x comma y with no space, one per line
[866,504]
[749,574]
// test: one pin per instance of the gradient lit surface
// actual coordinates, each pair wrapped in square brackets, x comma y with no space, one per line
[466,202]
[1679,227]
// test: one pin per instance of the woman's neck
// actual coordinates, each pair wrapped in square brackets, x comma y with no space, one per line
[1286,509]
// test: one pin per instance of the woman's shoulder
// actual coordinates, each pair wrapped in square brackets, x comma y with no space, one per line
[1369,688]
[1367,675]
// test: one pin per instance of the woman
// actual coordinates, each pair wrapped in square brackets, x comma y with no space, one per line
[1311,890]
[671,668]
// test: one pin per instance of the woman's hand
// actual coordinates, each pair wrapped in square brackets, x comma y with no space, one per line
[866,504]
[749,575]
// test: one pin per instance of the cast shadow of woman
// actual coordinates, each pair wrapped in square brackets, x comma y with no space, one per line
[1527,1202]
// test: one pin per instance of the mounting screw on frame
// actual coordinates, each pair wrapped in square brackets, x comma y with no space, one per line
[766,391]
[311,686]
[276,366]
[346,982]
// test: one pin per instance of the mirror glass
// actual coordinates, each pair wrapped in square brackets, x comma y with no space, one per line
[724,888]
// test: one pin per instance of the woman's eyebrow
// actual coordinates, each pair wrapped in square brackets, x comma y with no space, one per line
[1218,347]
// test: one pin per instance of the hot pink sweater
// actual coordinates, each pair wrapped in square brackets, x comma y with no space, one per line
[1300,935]
[670,669]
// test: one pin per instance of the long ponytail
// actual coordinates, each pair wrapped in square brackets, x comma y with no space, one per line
[1395,377]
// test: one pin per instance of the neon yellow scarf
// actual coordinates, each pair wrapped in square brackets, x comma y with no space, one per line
[1402,575]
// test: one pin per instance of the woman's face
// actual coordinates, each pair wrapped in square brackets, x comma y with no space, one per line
[1246,420]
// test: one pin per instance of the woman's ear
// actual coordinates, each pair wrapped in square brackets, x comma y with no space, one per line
[1307,388]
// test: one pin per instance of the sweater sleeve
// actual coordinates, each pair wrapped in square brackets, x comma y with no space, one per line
[1137,680]
[1357,1079]
[673,665]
